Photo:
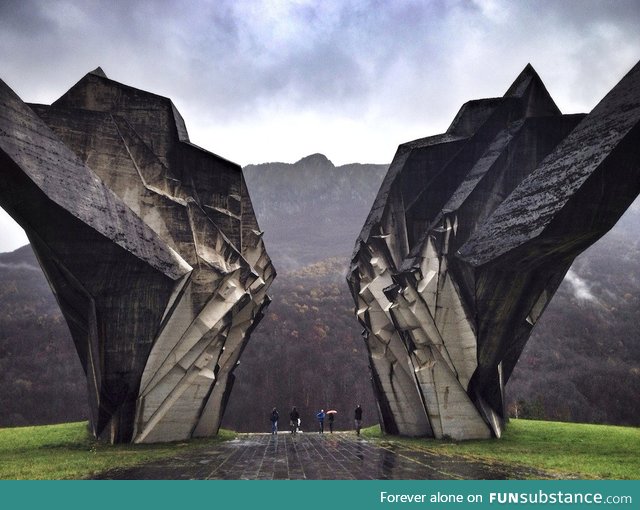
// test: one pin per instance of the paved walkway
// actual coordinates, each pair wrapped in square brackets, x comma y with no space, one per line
[338,456]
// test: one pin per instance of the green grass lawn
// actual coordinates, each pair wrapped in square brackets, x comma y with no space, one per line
[569,450]
[67,451]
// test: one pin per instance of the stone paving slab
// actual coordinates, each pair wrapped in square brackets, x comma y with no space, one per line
[309,456]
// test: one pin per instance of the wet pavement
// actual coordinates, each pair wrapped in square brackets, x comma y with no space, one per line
[338,456]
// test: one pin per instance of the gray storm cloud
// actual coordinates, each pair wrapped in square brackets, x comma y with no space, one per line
[394,56]
[261,81]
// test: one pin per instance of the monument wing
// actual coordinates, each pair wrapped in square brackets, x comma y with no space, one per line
[471,234]
[150,245]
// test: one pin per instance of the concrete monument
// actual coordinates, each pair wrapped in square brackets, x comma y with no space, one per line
[470,236]
[150,245]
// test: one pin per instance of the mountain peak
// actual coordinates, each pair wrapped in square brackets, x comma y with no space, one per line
[317,159]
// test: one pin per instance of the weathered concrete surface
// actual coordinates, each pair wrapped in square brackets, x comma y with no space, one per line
[340,456]
[151,246]
[471,234]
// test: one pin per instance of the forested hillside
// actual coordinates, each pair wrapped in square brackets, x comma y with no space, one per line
[582,362]
[307,352]
[311,210]
[41,379]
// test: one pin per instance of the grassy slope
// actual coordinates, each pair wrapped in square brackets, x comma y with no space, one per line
[569,450]
[66,451]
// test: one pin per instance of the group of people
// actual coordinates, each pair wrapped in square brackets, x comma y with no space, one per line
[294,420]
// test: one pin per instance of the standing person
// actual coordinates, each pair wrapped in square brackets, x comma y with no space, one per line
[320,417]
[358,418]
[274,421]
[331,418]
[294,416]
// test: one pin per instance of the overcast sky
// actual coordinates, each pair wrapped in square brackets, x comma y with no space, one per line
[260,81]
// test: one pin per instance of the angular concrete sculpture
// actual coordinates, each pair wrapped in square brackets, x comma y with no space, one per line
[150,245]
[470,236]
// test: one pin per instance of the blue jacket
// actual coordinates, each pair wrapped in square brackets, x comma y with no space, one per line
[320,416]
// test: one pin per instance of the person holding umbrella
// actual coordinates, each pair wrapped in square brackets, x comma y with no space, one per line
[320,416]
[331,417]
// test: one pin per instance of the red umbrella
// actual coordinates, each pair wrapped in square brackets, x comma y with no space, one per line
[333,411]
